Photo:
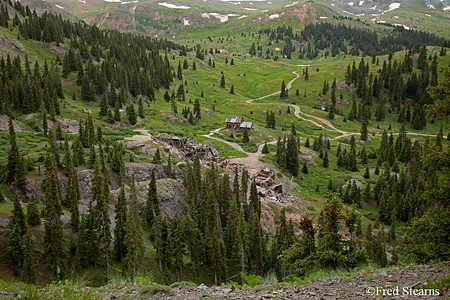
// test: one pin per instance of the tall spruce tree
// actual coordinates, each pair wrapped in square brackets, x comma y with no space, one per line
[15,170]
[17,226]
[33,214]
[120,247]
[222,81]
[283,90]
[133,233]
[28,274]
[55,251]
[152,209]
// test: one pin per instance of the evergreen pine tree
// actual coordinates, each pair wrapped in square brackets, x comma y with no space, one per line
[232,89]
[103,106]
[245,137]
[364,130]
[305,168]
[366,173]
[325,160]
[120,247]
[152,205]
[15,170]
[131,114]
[177,243]
[54,248]
[141,109]
[265,149]
[33,214]
[283,90]
[133,233]
[28,274]
[117,111]
[157,157]
[222,81]
[255,202]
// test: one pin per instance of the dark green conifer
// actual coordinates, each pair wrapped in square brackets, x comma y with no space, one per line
[141,109]
[120,247]
[152,205]
[33,213]
[305,168]
[54,249]
[325,160]
[222,81]
[131,114]
[28,274]
[133,239]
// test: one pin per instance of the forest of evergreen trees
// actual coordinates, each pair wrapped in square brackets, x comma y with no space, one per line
[350,40]
[221,232]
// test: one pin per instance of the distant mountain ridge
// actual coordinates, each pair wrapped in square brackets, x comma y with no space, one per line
[162,17]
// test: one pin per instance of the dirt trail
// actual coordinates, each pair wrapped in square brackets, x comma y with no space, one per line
[298,111]
[251,162]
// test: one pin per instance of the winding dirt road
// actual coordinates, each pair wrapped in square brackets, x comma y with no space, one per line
[253,158]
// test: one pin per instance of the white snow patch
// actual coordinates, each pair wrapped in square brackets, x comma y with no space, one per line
[431,6]
[274,16]
[374,7]
[269,2]
[361,2]
[303,65]
[396,17]
[350,13]
[165,4]
[404,26]
[296,2]
[129,2]
[332,4]
[323,17]
[351,3]
[374,19]
[243,16]
[59,6]
[113,1]
[186,22]
[446,8]
[265,10]
[381,22]
[427,15]
[82,1]
[221,17]
[248,8]
[392,6]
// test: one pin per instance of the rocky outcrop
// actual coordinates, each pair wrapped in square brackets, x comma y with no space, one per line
[4,123]
[171,189]
[187,149]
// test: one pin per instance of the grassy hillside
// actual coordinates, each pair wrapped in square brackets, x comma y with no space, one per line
[251,77]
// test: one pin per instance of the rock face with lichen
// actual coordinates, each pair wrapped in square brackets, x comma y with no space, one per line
[171,189]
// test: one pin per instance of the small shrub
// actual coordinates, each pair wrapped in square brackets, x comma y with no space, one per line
[311,208]
[252,280]
[370,215]
[279,175]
